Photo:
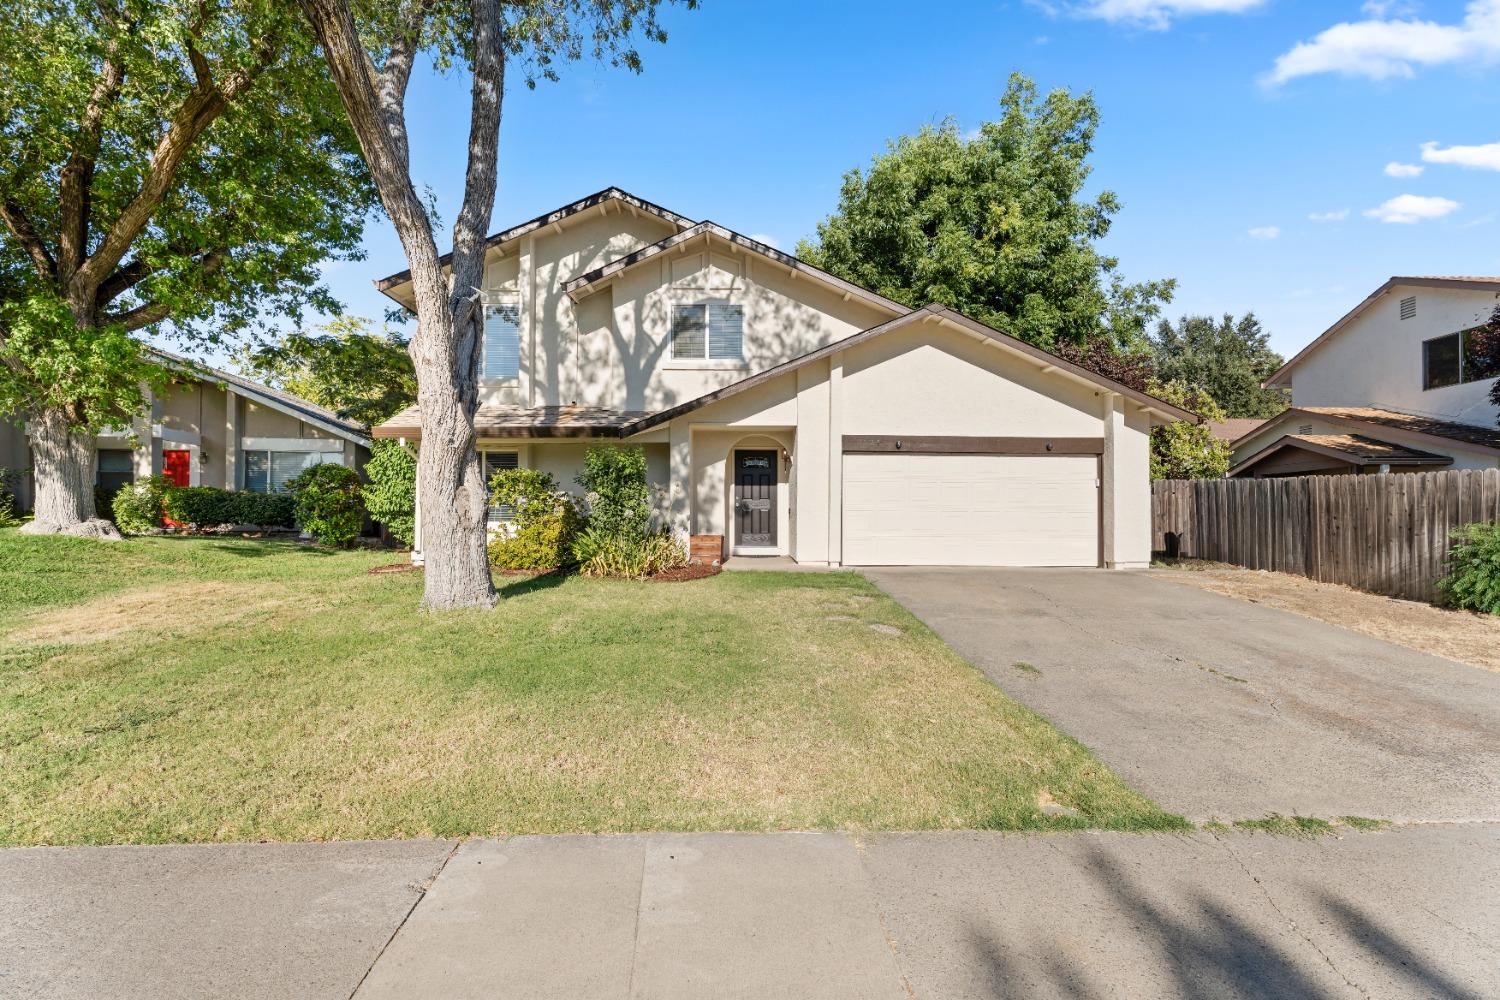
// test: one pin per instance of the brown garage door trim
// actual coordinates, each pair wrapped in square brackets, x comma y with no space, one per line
[880,444]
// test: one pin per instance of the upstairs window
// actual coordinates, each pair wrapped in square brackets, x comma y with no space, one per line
[501,357]
[1455,359]
[708,331]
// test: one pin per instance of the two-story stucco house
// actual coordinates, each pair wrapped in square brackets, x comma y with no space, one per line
[1392,386]
[784,411]
[210,428]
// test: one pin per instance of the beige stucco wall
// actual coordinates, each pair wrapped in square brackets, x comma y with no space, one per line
[921,380]
[1377,359]
[563,460]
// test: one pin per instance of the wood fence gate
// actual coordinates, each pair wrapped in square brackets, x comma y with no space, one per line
[1383,533]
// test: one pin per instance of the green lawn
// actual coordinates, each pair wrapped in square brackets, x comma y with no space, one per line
[197,690]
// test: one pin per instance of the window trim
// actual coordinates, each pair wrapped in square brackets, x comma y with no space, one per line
[495,518]
[687,362]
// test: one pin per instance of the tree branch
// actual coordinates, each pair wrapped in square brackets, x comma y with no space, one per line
[154,312]
[123,280]
[21,228]
[75,181]
[204,103]
[479,178]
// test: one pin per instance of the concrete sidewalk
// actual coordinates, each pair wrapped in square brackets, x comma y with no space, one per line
[1407,912]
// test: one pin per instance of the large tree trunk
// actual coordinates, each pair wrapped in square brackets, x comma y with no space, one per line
[64,480]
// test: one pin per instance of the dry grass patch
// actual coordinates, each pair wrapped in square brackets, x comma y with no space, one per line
[746,701]
[1458,635]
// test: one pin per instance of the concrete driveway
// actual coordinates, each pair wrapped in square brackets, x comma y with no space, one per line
[1219,708]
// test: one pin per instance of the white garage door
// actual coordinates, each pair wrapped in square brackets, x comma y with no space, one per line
[971,510]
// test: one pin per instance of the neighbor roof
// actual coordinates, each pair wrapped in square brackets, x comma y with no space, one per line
[586,282]
[550,218]
[933,310]
[1234,428]
[276,399]
[1368,419]
[1355,449]
[1460,282]
[522,422]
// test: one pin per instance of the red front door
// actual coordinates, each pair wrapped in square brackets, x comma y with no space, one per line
[177,466]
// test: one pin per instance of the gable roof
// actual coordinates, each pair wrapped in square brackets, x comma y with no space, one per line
[609,194]
[1371,421]
[294,406]
[1459,282]
[1234,428]
[1352,449]
[931,311]
[512,421]
[590,280]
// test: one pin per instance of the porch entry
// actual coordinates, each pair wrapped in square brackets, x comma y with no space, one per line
[755,499]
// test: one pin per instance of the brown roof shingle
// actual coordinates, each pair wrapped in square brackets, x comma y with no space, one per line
[522,422]
[1485,437]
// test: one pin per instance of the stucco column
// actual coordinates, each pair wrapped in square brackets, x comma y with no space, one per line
[680,477]
[1125,485]
[836,459]
[231,439]
[147,453]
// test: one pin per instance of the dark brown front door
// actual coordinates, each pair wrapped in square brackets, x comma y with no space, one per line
[755,498]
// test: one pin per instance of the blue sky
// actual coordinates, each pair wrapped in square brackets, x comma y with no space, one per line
[1249,140]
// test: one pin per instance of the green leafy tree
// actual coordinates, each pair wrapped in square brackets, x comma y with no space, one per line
[162,161]
[371,48]
[361,374]
[1182,449]
[391,491]
[1482,353]
[1228,359]
[993,225]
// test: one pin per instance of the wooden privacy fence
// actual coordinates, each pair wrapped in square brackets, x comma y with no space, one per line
[1383,533]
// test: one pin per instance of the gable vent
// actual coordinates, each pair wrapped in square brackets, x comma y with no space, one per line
[1408,307]
[1305,429]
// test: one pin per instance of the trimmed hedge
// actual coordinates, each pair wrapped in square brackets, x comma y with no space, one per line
[208,506]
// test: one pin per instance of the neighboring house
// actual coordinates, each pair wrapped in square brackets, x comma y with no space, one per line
[1234,428]
[1391,387]
[212,428]
[784,411]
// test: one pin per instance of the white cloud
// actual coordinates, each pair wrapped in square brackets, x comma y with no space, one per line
[1265,232]
[1394,169]
[1336,216]
[1410,208]
[1381,48]
[1154,14]
[1485,157]
[769,241]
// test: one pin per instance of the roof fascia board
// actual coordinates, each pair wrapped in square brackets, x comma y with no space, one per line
[934,310]
[601,199]
[1374,429]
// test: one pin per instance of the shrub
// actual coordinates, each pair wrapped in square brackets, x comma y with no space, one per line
[1473,580]
[391,493]
[328,503]
[543,524]
[207,506]
[8,513]
[614,481]
[633,557]
[138,505]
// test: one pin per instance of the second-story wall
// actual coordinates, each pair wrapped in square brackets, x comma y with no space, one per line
[612,347]
[1377,359]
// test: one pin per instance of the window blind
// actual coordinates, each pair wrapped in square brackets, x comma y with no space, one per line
[501,357]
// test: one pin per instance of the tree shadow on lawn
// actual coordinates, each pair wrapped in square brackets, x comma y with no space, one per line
[520,586]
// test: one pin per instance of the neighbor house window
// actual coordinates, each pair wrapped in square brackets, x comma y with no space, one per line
[1455,359]
[708,331]
[492,462]
[501,358]
[269,471]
